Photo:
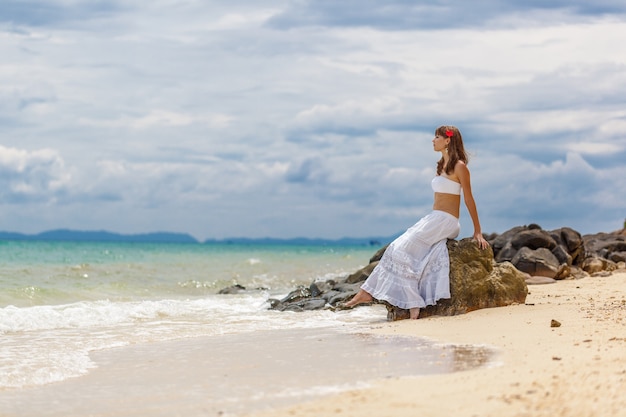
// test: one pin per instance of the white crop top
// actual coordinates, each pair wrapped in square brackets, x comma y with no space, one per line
[445,185]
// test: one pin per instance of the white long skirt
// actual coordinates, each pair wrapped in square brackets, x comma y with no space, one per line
[415,268]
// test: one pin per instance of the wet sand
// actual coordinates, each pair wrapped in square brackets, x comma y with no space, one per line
[575,370]
[234,374]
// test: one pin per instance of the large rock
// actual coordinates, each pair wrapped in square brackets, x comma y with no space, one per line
[533,239]
[540,253]
[476,282]
[536,262]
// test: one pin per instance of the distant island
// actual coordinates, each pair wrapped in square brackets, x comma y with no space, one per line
[65,235]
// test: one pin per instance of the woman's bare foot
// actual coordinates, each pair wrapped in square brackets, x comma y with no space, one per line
[414,313]
[361,297]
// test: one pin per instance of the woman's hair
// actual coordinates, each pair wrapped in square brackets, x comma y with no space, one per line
[456,151]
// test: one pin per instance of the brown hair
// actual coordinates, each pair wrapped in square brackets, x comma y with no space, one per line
[456,150]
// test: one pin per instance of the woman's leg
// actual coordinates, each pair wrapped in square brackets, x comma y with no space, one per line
[361,297]
[414,313]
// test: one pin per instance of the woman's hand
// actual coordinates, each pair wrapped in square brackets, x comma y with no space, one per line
[480,240]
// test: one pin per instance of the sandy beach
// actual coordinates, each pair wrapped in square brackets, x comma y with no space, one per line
[577,369]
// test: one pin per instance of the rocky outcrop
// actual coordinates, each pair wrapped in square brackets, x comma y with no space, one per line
[606,252]
[476,281]
[521,256]
[560,253]
[556,254]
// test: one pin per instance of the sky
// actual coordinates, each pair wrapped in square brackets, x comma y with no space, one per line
[303,118]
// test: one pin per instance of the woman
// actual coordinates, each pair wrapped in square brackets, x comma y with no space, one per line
[415,270]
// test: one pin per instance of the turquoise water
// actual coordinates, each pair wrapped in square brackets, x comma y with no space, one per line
[59,301]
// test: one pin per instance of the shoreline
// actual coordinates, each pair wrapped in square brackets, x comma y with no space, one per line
[232,374]
[575,370]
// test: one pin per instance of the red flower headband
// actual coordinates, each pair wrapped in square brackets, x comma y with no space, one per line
[449,133]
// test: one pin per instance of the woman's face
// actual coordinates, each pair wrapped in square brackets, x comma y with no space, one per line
[440,143]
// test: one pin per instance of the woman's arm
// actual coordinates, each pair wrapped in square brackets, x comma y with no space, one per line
[463,174]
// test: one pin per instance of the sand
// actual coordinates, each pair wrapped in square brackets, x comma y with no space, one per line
[577,369]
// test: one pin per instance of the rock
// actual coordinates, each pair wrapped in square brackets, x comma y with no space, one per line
[566,245]
[501,240]
[362,274]
[618,256]
[594,264]
[523,255]
[572,239]
[564,271]
[555,323]
[507,253]
[379,254]
[536,262]
[476,281]
[233,289]
[578,273]
[303,305]
[562,256]
[533,239]
[341,297]
[608,246]
[317,288]
[296,295]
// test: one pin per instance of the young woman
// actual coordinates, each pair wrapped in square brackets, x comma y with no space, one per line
[415,270]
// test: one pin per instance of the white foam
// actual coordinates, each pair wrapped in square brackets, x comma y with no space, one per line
[45,344]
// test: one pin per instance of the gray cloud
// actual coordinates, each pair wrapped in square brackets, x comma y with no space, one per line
[216,120]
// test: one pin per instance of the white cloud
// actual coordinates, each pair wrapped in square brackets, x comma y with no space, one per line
[31,175]
[216,119]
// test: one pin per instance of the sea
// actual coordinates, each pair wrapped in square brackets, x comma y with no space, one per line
[60,301]
[64,303]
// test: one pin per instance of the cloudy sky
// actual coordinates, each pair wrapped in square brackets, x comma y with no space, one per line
[288,118]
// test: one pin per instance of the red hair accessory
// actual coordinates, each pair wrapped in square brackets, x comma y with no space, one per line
[449,133]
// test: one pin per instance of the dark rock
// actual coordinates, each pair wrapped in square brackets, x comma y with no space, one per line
[379,254]
[318,288]
[536,262]
[296,295]
[533,239]
[363,273]
[506,253]
[501,240]
[477,280]
[555,323]
[233,289]
[571,238]
[303,305]
[347,286]
[328,295]
[562,256]
[274,303]
[618,256]
[341,297]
